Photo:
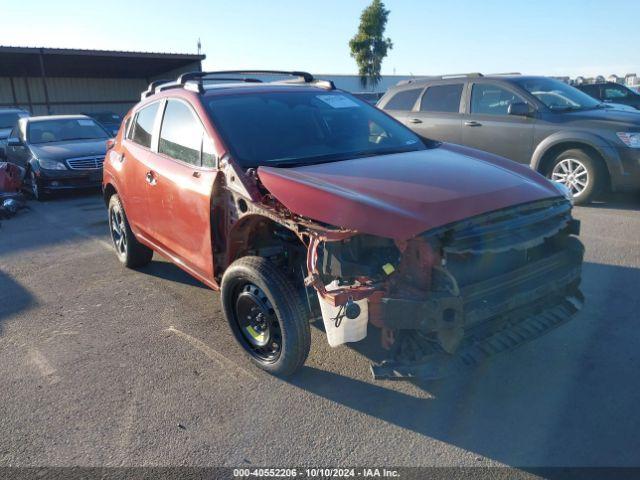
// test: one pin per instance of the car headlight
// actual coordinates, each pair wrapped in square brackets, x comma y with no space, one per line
[51,165]
[630,139]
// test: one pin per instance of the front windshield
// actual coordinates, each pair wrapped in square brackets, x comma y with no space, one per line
[61,130]
[106,117]
[305,127]
[558,95]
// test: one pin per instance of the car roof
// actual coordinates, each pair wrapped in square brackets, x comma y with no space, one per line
[56,117]
[601,83]
[421,82]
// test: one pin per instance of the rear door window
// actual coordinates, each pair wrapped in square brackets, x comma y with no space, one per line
[614,92]
[442,98]
[592,90]
[181,133]
[403,100]
[142,130]
[489,99]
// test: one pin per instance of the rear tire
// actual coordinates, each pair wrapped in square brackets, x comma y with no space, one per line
[579,172]
[266,315]
[130,252]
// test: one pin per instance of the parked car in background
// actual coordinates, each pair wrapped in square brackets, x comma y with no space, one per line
[109,120]
[300,201]
[371,97]
[58,152]
[8,119]
[611,92]
[558,130]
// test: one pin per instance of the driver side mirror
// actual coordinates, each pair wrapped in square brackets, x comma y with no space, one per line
[14,142]
[521,109]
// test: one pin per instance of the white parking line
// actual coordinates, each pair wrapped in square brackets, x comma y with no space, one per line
[222,361]
[43,365]
[84,233]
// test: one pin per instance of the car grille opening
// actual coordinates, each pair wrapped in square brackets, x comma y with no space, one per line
[85,163]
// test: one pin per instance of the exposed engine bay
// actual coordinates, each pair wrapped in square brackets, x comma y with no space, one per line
[462,283]
[444,299]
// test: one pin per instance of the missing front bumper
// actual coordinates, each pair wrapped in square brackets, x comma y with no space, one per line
[484,318]
[501,334]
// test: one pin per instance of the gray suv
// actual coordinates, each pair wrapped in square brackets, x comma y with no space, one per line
[560,131]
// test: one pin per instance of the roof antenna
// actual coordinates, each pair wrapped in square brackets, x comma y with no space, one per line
[199,46]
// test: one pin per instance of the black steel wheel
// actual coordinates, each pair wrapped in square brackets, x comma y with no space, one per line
[258,323]
[266,315]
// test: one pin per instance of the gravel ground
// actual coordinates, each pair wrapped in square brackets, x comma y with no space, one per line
[103,366]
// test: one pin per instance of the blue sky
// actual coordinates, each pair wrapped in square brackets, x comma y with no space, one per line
[447,36]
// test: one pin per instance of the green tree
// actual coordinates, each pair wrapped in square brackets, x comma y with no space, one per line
[369,46]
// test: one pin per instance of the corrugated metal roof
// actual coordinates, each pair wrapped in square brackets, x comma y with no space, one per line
[67,62]
[97,52]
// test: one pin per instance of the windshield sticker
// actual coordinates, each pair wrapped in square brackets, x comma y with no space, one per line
[85,123]
[338,101]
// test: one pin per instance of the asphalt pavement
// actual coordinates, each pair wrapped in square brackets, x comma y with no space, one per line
[103,366]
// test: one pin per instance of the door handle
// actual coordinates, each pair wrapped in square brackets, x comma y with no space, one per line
[472,123]
[415,120]
[196,174]
[150,178]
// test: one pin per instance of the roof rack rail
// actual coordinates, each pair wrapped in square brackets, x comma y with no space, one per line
[200,77]
[195,80]
[152,88]
[461,75]
[308,78]
[501,74]
[440,77]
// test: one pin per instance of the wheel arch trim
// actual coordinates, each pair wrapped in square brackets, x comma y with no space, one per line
[573,140]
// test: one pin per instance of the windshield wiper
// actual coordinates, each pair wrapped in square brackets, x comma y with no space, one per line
[337,157]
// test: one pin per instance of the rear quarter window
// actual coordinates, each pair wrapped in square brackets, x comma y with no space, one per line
[404,100]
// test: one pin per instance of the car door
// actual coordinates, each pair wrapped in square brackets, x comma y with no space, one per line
[179,183]
[18,154]
[437,114]
[592,90]
[488,126]
[135,162]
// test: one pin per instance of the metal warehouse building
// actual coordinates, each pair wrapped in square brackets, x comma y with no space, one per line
[58,81]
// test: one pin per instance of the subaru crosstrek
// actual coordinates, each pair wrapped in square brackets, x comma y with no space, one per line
[300,202]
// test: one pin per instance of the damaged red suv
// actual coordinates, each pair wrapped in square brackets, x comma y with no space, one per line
[299,202]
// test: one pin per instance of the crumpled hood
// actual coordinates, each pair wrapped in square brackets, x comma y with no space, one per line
[401,195]
[63,150]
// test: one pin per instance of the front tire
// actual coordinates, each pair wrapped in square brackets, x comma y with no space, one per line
[579,172]
[130,252]
[266,315]
[36,187]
